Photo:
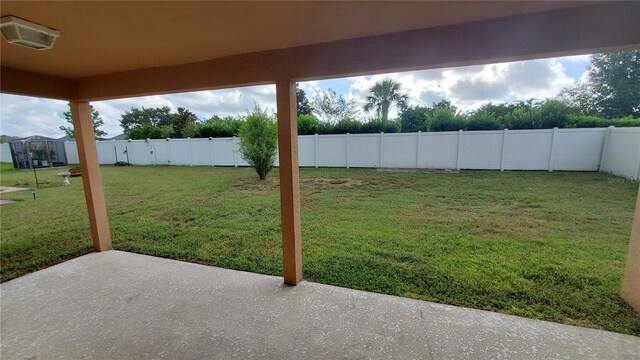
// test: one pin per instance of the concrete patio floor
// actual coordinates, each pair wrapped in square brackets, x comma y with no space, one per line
[122,305]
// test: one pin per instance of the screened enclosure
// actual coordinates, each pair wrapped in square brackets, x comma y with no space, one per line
[37,152]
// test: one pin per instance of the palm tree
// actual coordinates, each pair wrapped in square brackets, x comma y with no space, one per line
[383,94]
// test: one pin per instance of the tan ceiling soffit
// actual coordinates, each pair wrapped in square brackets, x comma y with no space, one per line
[19,82]
[104,37]
[601,27]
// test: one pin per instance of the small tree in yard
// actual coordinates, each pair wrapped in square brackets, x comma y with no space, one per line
[259,141]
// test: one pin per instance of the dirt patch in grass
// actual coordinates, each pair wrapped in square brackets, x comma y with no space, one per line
[184,221]
[311,185]
[326,182]
[254,184]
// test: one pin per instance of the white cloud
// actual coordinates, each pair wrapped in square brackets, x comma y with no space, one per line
[24,116]
[472,86]
[467,87]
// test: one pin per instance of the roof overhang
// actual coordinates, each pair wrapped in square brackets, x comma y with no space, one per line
[573,30]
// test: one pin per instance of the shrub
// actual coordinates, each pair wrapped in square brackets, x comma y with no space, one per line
[414,118]
[443,119]
[519,119]
[347,126]
[259,141]
[307,125]
[150,132]
[215,127]
[482,123]
[376,126]
[552,113]
[585,121]
[628,121]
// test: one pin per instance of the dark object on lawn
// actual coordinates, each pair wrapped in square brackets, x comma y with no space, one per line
[75,172]
[121,163]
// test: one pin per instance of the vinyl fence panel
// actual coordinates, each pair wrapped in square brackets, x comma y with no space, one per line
[614,150]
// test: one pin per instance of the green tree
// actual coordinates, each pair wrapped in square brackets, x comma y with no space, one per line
[443,119]
[331,107]
[259,141]
[97,123]
[214,127]
[181,120]
[307,125]
[414,118]
[304,106]
[135,118]
[150,132]
[613,87]
[444,104]
[482,119]
[383,94]
[344,126]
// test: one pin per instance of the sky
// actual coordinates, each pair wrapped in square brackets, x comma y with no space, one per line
[466,87]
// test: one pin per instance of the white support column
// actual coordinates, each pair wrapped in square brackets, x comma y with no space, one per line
[315,151]
[211,152]
[190,154]
[348,140]
[552,152]
[418,149]
[169,151]
[381,155]
[458,150]
[603,153]
[504,139]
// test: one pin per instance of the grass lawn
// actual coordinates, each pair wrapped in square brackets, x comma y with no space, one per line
[544,245]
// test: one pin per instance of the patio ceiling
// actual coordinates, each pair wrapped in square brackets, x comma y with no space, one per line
[122,49]
[106,37]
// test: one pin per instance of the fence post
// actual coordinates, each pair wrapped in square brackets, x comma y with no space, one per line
[504,138]
[638,172]
[315,151]
[115,150]
[211,152]
[552,153]
[130,156]
[381,155]
[148,142]
[47,149]
[604,147]
[169,151]
[235,153]
[458,151]
[348,139]
[418,149]
[190,157]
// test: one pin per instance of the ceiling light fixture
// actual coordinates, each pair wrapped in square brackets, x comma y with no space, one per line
[25,33]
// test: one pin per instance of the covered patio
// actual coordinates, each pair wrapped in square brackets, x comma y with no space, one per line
[121,305]
[113,304]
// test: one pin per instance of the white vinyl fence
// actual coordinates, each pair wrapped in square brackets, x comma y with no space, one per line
[5,153]
[614,150]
